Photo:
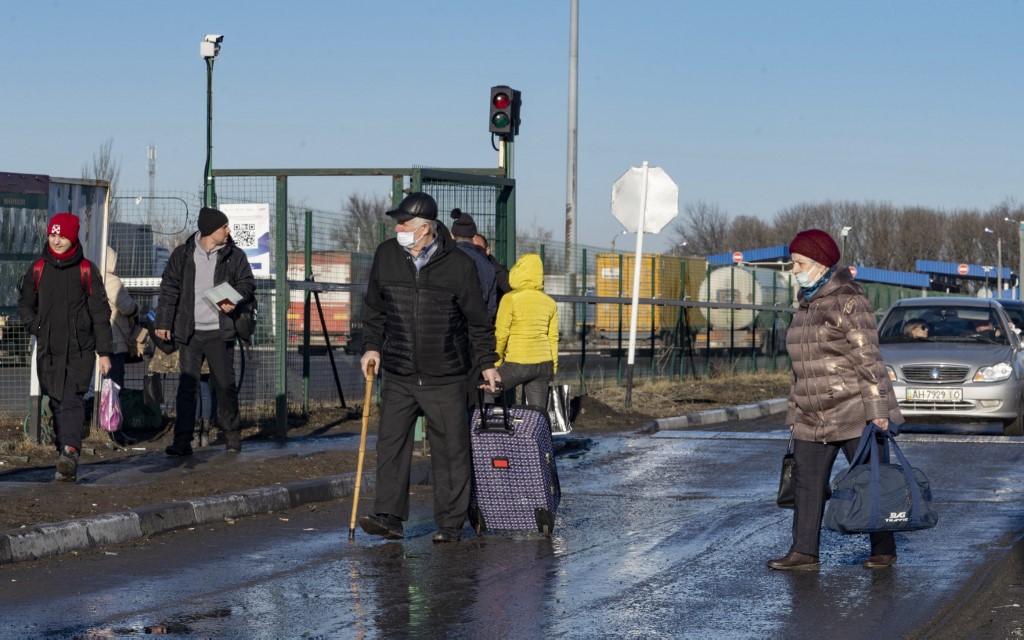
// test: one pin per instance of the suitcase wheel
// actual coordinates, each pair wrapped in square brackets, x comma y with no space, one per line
[545,521]
[476,520]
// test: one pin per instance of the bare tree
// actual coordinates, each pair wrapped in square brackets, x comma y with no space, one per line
[874,239]
[917,241]
[360,230]
[748,232]
[530,239]
[105,167]
[703,230]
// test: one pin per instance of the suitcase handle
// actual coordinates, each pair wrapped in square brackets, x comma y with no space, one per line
[487,427]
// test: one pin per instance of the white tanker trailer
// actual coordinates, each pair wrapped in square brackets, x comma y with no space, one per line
[751,329]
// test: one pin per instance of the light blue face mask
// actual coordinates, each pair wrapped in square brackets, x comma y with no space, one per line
[803,279]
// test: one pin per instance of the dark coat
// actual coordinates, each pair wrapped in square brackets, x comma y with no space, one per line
[176,307]
[432,324]
[839,380]
[71,325]
[485,271]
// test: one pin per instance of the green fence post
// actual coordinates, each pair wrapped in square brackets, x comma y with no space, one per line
[308,275]
[583,325]
[618,353]
[654,310]
[281,308]
[707,325]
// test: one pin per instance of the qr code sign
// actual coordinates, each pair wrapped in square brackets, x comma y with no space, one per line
[244,234]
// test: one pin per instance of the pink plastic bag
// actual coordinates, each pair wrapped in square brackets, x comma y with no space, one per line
[110,405]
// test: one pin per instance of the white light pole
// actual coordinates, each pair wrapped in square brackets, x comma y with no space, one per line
[209,49]
[999,261]
[845,232]
[1020,266]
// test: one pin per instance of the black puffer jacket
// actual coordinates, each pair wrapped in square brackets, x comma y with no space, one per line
[432,324]
[176,307]
[71,325]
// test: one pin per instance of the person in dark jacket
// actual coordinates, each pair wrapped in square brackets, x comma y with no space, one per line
[463,231]
[204,329]
[64,305]
[500,271]
[839,385]
[426,325]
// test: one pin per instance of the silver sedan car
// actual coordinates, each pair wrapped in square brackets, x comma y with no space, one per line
[956,359]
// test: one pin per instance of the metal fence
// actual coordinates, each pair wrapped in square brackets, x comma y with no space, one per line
[306,351]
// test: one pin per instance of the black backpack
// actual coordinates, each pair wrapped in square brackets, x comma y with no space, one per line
[245,320]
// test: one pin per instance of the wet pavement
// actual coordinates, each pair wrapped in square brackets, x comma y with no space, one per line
[658,536]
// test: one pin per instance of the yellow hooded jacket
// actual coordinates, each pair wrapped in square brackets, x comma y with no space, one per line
[526,328]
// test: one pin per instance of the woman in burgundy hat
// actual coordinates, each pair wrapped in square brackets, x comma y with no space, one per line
[839,386]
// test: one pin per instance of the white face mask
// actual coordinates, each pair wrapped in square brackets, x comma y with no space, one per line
[406,238]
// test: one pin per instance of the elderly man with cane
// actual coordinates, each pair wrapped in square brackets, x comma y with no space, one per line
[425,326]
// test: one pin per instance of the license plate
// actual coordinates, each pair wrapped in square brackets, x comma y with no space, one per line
[935,395]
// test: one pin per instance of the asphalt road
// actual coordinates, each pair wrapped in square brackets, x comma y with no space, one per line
[658,536]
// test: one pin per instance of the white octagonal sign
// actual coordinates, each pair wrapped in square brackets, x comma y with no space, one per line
[662,199]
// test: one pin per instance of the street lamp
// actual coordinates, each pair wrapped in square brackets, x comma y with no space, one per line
[1020,266]
[845,232]
[209,49]
[616,237]
[999,261]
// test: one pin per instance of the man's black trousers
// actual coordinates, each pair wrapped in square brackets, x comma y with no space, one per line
[444,407]
[220,355]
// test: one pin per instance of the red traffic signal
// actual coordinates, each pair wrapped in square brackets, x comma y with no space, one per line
[505,103]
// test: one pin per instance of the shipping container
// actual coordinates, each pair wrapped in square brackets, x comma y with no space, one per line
[660,278]
[342,310]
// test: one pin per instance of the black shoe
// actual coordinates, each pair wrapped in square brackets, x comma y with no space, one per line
[178,450]
[382,524]
[794,561]
[448,534]
[879,562]
[233,442]
[67,465]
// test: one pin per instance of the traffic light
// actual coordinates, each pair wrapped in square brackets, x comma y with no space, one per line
[505,103]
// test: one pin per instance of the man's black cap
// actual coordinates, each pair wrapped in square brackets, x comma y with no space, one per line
[415,205]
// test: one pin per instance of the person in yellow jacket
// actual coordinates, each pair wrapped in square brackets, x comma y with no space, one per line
[526,330]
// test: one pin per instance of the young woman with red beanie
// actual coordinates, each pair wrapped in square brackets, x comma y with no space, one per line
[70,319]
[839,386]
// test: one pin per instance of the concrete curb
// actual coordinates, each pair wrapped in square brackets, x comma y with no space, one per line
[45,540]
[715,416]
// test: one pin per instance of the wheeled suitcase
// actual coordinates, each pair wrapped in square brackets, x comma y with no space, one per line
[515,482]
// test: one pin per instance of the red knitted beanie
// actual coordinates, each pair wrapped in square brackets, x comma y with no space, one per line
[816,245]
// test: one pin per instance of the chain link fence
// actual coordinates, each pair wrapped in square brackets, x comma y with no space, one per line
[312,349]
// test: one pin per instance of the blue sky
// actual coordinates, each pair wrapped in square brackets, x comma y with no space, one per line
[752,106]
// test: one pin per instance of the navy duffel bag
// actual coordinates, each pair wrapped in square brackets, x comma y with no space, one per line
[875,495]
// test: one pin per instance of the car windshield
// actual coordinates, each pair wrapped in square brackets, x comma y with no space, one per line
[943,323]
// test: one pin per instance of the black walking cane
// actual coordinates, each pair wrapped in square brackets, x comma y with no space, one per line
[362,450]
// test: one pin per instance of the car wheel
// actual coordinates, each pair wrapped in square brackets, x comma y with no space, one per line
[1016,427]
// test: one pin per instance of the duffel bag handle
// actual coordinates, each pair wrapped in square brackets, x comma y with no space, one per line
[866,453]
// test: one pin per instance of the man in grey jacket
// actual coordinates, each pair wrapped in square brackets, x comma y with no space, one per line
[202,328]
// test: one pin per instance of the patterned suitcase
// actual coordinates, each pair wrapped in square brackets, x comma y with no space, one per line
[515,482]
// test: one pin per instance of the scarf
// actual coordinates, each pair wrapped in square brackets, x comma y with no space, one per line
[813,289]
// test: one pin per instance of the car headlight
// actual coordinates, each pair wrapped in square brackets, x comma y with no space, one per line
[994,373]
[891,372]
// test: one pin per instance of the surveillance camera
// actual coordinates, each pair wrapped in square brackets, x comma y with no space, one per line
[213,37]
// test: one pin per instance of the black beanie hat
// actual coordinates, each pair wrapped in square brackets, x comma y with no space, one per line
[210,220]
[464,226]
